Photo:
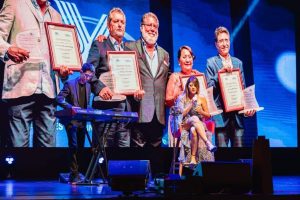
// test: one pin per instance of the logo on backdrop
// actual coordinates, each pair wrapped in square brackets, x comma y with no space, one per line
[71,15]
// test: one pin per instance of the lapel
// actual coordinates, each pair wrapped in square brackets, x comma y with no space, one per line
[142,55]
[87,94]
[109,45]
[34,11]
[160,55]
[235,63]
[219,62]
[77,90]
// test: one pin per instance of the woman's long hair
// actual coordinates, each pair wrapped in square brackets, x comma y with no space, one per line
[194,80]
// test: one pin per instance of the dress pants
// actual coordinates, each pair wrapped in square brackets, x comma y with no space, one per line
[36,110]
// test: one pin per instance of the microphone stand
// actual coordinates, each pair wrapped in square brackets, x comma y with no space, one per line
[175,112]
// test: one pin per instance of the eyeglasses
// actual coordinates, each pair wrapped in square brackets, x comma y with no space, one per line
[89,75]
[223,41]
[151,25]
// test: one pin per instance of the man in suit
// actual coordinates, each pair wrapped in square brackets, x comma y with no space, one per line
[29,88]
[76,92]
[154,69]
[119,134]
[229,126]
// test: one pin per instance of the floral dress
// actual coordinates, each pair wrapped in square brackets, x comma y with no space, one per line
[185,150]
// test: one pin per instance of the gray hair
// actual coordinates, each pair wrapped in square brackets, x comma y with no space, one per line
[115,9]
[149,14]
[219,30]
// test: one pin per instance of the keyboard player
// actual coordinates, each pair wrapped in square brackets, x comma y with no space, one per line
[77,92]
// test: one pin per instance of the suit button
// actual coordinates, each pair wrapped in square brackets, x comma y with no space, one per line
[39,40]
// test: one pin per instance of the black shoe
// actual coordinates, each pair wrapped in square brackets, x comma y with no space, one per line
[74,177]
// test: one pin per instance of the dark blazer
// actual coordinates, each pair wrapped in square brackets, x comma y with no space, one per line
[154,86]
[213,65]
[98,57]
[69,95]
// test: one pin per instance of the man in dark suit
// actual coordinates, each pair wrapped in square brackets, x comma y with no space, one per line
[229,126]
[154,69]
[119,134]
[77,92]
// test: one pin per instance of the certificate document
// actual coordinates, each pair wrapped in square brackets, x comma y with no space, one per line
[232,90]
[202,82]
[212,108]
[63,46]
[250,102]
[30,41]
[124,71]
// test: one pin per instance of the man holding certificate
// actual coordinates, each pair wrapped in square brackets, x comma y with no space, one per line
[229,124]
[29,85]
[154,70]
[119,134]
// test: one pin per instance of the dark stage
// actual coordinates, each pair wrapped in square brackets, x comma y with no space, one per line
[285,187]
[35,172]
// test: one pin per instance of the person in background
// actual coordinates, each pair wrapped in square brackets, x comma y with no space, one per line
[229,126]
[76,93]
[186,59]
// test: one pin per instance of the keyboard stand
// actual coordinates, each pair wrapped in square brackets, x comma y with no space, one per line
[97,153]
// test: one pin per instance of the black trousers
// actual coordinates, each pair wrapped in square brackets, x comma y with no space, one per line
[147,134]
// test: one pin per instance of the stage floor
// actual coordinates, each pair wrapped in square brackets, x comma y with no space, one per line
[285,187]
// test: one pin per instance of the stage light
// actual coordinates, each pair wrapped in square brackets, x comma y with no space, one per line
[101,160]
[9,166]
[10,160]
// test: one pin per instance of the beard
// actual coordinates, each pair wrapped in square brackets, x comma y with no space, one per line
[149,39]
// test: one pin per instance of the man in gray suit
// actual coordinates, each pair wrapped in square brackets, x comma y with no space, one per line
[154,69]
[119,134]
[29,87]
[229,126]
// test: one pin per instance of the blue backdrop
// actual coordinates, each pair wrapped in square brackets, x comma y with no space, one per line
[272,48]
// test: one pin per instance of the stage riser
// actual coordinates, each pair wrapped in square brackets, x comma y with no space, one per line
[49,162]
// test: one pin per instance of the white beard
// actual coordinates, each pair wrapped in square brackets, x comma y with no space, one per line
[148,39]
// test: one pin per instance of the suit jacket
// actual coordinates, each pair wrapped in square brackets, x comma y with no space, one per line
[22,79]
[154,86]
[214,64]
[69,95]
[98,57]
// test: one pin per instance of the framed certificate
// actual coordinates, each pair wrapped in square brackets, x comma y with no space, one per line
[124,71]
[201,79]
[232,90]
[63,46]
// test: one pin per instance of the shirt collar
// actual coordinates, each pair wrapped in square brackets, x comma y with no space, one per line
[36,5]
[144,43]
[114,42]
[225,59]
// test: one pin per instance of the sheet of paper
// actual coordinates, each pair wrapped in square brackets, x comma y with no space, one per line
[30,41]
[212,108]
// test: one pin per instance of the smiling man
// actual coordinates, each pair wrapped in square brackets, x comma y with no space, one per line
[229,126]
[154,67]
